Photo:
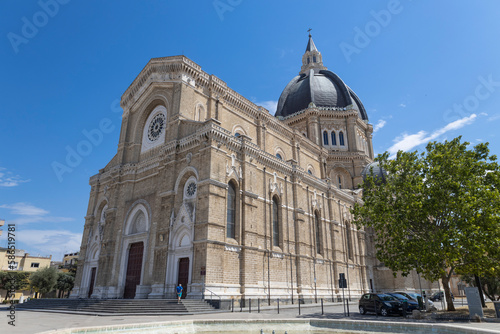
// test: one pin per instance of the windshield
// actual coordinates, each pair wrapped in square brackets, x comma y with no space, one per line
[386,297]
[414,295]
[397,295]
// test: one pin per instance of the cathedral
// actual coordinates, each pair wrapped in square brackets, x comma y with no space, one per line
[211,191]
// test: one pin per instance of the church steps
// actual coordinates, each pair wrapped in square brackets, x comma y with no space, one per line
[118,306]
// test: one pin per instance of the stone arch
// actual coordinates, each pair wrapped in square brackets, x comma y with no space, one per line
[142,114]
[138,219]
[310,170]
[184,175]
[137,209]
[341,177]
[200,113]
[154,128]
[180,246]
[238,129]
[279,150]
[99,207]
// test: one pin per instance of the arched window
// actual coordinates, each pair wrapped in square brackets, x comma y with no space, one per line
[279,156]
[318,232]
[341,138]
[276,226]
[308,60]
[349,240]
[314,59]
[310,172]
[231,211]
[334,138]
[325,138]
[340,182]
[237,134]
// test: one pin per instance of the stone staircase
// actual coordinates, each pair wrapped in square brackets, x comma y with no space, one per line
[119,306]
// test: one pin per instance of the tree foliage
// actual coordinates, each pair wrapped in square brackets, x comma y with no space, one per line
[438,212]
[14,281]
[44,280]
[65,282]
[489,284]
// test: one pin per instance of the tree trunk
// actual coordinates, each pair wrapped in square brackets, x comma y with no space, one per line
[447,292]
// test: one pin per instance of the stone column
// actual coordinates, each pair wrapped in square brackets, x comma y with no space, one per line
[351,134]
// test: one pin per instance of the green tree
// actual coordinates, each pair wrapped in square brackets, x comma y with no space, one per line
[65,282]
[44,280]
[437,212]
[489,284]
[14,281]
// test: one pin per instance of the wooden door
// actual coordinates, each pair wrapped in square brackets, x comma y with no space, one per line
[183,276]
[92,281]
[134,268]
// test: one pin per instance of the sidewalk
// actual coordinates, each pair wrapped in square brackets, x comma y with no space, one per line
[29,322]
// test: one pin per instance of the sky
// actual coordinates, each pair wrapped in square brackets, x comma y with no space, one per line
[424,70]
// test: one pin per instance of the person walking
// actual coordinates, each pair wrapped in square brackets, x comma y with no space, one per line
[179,293]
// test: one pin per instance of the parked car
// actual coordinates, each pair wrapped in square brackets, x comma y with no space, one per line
[380,303]
[412,305]
[414,296]
[439,295]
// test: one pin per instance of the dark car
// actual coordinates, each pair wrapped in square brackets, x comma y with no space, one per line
[414,296]
[439,295]
[411,304]
[380,303]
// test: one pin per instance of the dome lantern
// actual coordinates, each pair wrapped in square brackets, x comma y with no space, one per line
[315,83]
[312,58]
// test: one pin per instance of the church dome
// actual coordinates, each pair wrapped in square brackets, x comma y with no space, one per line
[374,169]
[317,85]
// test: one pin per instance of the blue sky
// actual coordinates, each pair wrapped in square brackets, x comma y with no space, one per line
[425,70]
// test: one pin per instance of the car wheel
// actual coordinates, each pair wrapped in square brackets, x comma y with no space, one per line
[362,310]
[384,312]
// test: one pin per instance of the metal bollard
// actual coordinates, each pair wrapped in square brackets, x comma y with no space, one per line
[241,305]
[299,306]
[232,305]
[322,312]
[278,307]
[375,308]
[258,305]
[348,308]
[250,305]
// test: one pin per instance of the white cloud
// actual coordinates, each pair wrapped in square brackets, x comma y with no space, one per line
[269,105]
[406,142]
[24,209]
[7,179]
[50,242]
[494,118]
[402,105]
[31,214]
[380,124]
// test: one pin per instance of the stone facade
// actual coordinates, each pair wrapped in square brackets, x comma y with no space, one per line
[212,190]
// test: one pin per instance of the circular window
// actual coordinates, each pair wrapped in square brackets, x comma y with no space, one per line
[191,189]
[156,127]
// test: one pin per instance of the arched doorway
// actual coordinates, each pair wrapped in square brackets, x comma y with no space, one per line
[183,274]
[134,269]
